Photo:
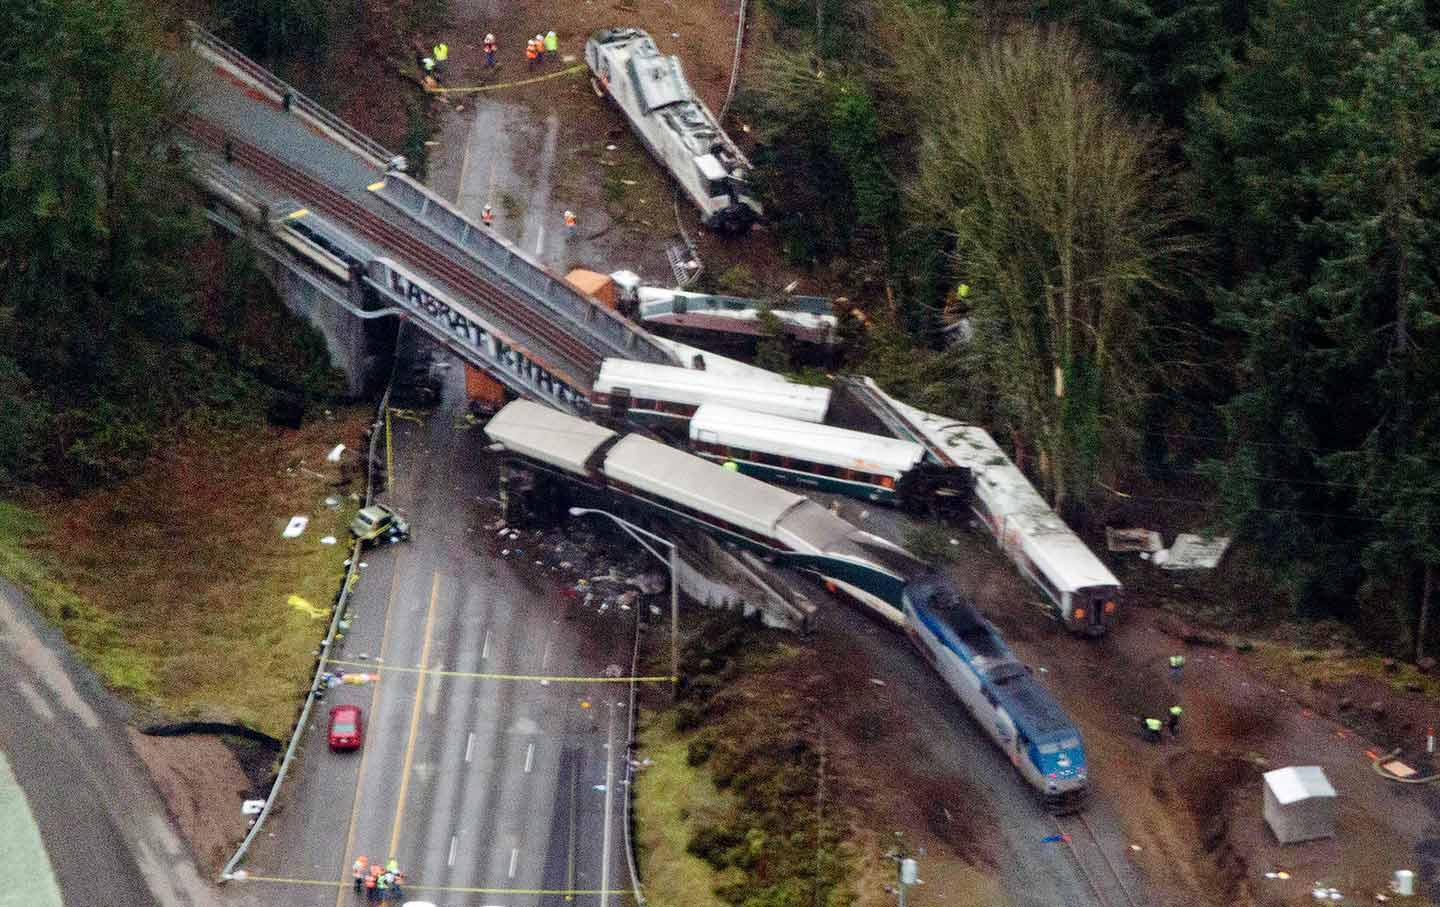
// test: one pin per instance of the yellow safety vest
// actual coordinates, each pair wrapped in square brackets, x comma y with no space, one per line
[442,51]
[1176,711]
[551,42]
[1177,661]
[1152,724]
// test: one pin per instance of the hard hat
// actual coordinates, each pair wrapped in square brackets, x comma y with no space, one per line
[539,37]
[489,37]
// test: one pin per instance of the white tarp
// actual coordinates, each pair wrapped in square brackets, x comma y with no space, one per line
[1299,804]
[1196,552]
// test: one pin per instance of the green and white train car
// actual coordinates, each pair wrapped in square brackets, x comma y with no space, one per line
[792,452]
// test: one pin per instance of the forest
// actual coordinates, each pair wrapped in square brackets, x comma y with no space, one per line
[1186,251]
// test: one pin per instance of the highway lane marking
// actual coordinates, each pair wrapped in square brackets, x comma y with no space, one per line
[433,703]
[480,675]
[453,841]
[485,649]
[529,757]
[469,746]
[514,858]
[540,241]
[365,755]
[346,884]
[414,718]
[609,810]
[570,849]
[37,703]
[545,656]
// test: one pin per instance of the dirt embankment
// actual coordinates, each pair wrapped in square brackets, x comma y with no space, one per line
[202,784]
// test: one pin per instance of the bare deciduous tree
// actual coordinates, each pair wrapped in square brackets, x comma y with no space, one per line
[1066,227]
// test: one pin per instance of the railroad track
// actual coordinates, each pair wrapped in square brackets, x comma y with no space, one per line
[580,358]
[1100,872]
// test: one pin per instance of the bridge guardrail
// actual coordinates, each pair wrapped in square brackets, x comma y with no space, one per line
[298,101]
[517,270]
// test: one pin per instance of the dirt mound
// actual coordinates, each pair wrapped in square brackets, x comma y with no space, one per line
[1204,783]
[202,785]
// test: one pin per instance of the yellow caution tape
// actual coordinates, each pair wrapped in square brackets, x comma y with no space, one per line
[472,675]
[479,88]
[453,889]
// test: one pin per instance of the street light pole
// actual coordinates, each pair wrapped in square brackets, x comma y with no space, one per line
[673,562]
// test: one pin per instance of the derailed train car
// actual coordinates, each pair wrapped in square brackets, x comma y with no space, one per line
[640,475]
[671,120]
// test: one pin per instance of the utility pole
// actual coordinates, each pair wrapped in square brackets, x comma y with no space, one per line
[674,624]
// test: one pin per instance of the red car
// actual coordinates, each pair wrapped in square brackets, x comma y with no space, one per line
[346,727]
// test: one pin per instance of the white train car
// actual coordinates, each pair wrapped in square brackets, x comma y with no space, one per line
[669,395]
[1082,591]
[675,125]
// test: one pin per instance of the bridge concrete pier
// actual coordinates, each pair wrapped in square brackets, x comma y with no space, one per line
[346,337]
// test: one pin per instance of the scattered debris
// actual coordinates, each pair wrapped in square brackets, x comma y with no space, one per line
[1133,540]
[334,455]
[328,540]
[1195,552]
[296,526]
[332,502]
[300,604]
[877,681]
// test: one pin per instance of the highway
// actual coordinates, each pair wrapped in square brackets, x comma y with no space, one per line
[99,817]
[502,789]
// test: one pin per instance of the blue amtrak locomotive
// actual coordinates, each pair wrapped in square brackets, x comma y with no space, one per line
[639,475]
[1006,700]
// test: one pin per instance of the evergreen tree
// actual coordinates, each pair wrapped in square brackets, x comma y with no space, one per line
[96,216]
[1320,156]
[1162,53]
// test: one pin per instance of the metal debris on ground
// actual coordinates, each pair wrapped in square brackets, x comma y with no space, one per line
[335,452]
[1195,552]
[296,526]
[1121,540]
[328,540]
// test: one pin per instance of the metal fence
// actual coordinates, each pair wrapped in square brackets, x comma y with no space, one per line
[204,40]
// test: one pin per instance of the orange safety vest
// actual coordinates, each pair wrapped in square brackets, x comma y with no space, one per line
[487,215]
[569,219]
[531,53]
[489,47]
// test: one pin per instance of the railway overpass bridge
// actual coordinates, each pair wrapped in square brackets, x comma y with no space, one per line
[352,238]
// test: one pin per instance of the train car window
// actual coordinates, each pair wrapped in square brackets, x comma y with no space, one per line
[1070,743]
